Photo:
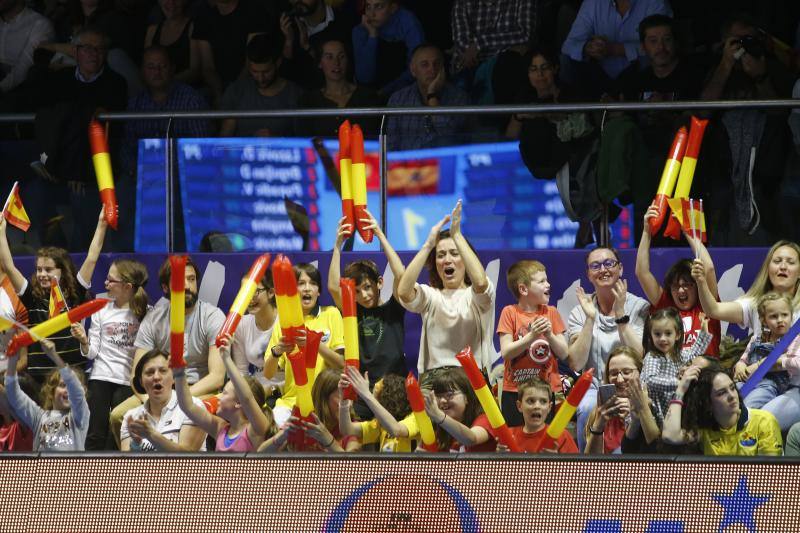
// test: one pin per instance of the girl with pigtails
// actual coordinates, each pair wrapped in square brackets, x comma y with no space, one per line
[109,344]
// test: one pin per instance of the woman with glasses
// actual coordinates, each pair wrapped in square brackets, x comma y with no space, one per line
[601,322]
[624,422]
[546,140]
[679,289]
[253,334]
[109,345]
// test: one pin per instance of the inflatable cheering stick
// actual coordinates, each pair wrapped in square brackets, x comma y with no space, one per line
[359,182]
[305,404]
[688,165]
[55,324]
[351,355]
[565,412]
[487,400]
[102,169]
[290,310]
[668,178]
[243,298]
[417,403]
[177,309]
[346,175]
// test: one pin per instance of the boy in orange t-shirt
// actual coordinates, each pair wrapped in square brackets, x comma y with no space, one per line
[535,401]
[531,335]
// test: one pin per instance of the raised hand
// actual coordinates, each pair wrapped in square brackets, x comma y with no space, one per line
[432,407]
[586,303]
[455,220]
[343,232]
[79,333]
[360,383]
[620,292]
[434,233]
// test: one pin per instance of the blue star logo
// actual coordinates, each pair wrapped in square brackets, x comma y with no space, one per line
[740,507]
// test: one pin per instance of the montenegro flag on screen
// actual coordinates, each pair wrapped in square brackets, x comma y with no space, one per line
[57,303]
[14,211]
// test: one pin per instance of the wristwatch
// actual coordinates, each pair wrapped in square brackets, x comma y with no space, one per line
[272,351]
[623,319]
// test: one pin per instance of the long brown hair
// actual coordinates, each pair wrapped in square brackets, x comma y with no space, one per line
[48,390]
[135,273]
[324,385]
[455,380]
[68,281]
[762,284]
[434,279]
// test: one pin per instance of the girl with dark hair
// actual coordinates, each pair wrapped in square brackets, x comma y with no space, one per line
[453,406]
[665,355]
[457,306]
[678,289]
[717,418]
[110,345]
[53,263]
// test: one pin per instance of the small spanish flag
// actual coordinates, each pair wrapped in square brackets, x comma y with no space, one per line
[14,211]
[57,303]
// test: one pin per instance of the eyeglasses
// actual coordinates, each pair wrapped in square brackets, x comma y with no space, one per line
[91,48]
[112,280]
[681,285]
[596,266]
[626,373]
[259,290]
[449,395]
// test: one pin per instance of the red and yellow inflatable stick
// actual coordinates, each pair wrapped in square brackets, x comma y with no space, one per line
[565,412]
[487,400]
[668,178]
[359,182]
[684,186]
[417,403]
[177,309]
[304,401]
[311,351]
[243,298]
[290,310]
[102,169]
[346,175]
[351,355]
[54,325]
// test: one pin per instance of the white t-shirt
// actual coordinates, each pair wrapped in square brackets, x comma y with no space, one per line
[451,320]
[249,345]
[199,332]
[111,337]
[6,313]
[169,425]
[605,335]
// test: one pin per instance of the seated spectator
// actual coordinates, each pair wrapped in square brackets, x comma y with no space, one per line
[337,92]
[717,418]
[159,424]
[624,421]
[61,423]
[383,44]
[490,39]
[431,89]
[174,34]
[21,31]
[205,371]
[748,146]
[306,26]
[221,34]
[604,40]
[262,89]
[461,425]
[535,401]
[600,322]
[546,141]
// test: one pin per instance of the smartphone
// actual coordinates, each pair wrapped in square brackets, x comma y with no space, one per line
[605,393]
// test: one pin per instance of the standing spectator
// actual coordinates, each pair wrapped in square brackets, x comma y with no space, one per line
[748,146]
[221,34]
[383,44]
[262,89]
[21,31]
[482,31]
[604,40]
[338,91]
[307,25]
[431,89]
[174,34]
[602,321]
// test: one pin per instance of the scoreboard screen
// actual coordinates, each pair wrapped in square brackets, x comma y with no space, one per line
[241,188]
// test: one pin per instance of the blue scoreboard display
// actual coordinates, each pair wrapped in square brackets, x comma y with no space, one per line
[238,187]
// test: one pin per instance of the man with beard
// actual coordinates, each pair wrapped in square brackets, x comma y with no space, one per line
[262,89]
[205,371]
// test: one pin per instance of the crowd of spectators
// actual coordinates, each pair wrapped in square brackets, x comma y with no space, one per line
[661,382]
[65,61]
